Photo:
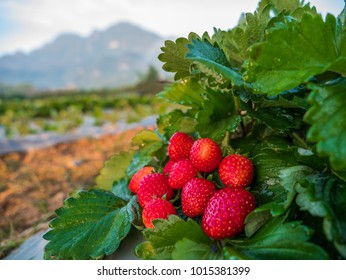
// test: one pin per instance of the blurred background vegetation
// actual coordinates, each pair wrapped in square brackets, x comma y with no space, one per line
[25,110]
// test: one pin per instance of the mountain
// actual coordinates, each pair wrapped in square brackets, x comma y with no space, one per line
[110,58]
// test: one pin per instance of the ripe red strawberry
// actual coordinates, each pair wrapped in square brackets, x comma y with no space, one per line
[179,146]
[134,183]
[206,155]
[195,196]
[157,208]
[153,186]
[226,211]
[182,171]
[168,167]
[236,171]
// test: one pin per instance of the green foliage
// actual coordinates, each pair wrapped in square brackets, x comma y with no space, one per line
[175,121]
[212,61]
[204,52]
[279,6]
[149,145]
[171,239]
[327,117]
[187,249]
[64,111]
[206,107]
[235,42]
[270,88]
[273,195]
[187,93]
[322,196]
[114,169]
[89,226]
[294,51]
[173,55]
[19,90]
[276,240]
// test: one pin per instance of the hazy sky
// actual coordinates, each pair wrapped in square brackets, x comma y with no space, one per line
[28,24]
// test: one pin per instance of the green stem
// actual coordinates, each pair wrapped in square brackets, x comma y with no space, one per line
[300,140]
[237,103]
[225,145]
[225,141]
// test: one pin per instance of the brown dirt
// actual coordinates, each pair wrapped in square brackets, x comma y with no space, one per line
[35,183]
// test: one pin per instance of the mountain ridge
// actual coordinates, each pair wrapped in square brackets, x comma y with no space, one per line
[106,58]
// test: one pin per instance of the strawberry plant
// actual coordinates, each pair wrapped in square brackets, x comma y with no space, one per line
[271,90]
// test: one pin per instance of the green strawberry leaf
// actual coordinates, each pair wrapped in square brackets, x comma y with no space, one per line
[143,157]
[174,121]
[282,101]
[187,93]
[290,5]
[269,156]
[270,160]
[310,158]
[340,174]
[162,239]
[204,51]
[276,240]
[89,226]
[173,55]
[145,137]
[296,50]
[277,118]
[117,171]
[325,197]
[327,117]
[149,144]
[235,42]
[187,249]
[211,112]
[212,61]
[114,169]
[217,116]
[273,197]
[121,189]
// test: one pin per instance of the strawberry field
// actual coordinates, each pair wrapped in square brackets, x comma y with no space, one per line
[252,164]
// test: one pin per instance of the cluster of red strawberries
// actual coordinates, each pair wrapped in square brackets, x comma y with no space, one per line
[223,210]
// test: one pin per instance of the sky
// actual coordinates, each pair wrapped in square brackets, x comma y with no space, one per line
[26,25]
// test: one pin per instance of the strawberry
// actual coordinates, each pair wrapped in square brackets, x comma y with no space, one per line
[168,167]
[226,211]
[151,186]
[134,182]
[179,146]
[195,196]
[182,171]
[206,155]
[157,208]
[236,171]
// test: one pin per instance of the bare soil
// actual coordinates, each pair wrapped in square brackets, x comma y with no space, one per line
[35,183]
